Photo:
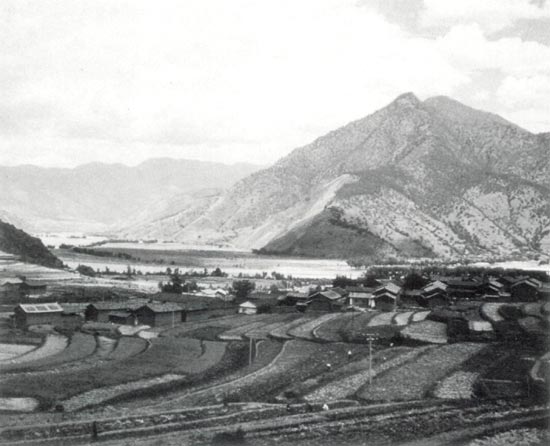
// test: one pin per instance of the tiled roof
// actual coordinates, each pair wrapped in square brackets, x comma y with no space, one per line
[53,307]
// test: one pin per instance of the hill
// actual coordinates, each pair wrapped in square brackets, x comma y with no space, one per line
[28,249]
[98,197]
[416,178]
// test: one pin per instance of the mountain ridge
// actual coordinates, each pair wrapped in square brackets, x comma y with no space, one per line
[96,197]
[433,176]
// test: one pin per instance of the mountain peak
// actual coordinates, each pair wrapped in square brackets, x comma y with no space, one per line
[406,99]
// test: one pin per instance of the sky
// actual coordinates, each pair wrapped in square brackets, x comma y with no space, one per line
[250,80]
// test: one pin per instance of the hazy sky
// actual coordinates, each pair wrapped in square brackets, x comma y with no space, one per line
[249,80]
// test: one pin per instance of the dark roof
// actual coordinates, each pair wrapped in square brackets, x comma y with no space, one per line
[340,291]
[389,287]
[158,307]
[119,305]
[328,294]
[412,292]
[459,283]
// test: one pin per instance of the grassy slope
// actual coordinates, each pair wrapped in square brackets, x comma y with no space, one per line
[28,249]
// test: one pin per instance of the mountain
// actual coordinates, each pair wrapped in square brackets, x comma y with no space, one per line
[417,178]
[98,197]
[26,248]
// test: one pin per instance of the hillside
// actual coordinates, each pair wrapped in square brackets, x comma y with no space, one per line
[98,197]
[415,178]
[28,249]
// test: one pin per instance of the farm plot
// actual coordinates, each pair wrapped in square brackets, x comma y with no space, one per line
[53,344]
[166,355]
[355,329]
[490,312]
[237,333]
[384,318]
[80,346]
[218,377]
[281,332]
[426,331]
[262,332]
[334,329]
[402,318]
[420,316]
[11,351]
[297,361]
[508,376]
[348,379]
[305,331]
[212,354]
[185,327]
[415,378]
[462,384]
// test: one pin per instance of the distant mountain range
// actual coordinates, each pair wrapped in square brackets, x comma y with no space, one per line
[417,178]
[99,197]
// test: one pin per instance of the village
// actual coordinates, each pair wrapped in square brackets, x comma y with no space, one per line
[474,340]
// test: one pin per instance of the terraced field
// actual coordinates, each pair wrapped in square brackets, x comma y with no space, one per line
[55,352]
[334,330]
[282,332]
[305,330]
[53,344]
[166,355]
[237,333]
[414,379]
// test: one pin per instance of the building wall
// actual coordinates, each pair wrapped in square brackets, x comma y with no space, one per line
[384,303]
[320,304]
[23,319]
[245,310]
[524,292]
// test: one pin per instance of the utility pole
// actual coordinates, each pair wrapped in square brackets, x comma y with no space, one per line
[250,352]
[173,319]
[370,338]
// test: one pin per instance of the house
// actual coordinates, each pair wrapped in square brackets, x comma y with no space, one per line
[435,285]
[492,289]
[328,300]
[462,289]
[525,290]
[248,308]
[410,298]
[123,318]
[11,288]
[435,297]
[294,298]
[37,314]
[385,297]
[360,297]
[100,311]
[156,314]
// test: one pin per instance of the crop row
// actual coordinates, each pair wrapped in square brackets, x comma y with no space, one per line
[233,370]
[342,387]
[413,379]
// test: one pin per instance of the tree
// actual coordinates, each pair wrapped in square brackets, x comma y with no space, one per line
[218,273]
[86,270]
[414,281]
[342,282]
[242,288]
